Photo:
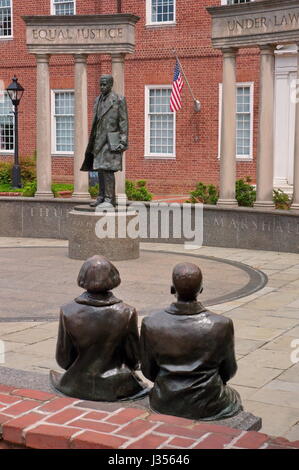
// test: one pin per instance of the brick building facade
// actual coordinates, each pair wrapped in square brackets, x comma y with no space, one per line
[169,164]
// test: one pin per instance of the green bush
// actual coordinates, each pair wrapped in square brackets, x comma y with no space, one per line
[28,169]
[281,199]
[7,188]
[137,191]
[206,194]
[5,173]
[56,187]
[245,193]
[29,189]
[94,191]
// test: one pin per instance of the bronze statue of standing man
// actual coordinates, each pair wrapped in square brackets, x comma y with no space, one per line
[107,142]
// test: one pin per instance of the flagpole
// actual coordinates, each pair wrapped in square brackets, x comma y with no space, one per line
[197,104]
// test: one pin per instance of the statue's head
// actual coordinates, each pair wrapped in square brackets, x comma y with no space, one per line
[187,281]
[106,84]
[98,275]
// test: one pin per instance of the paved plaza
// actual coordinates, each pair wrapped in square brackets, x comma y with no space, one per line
[259,290]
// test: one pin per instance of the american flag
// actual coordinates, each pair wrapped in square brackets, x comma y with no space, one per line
[177,85]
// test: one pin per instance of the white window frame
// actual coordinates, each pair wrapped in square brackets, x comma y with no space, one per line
[239,158]
[149,21]
[147,153]
[53,124]
[3,151]
[53,7]
[7,38]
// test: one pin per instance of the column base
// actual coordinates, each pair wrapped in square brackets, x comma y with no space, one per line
[121,199]
[227,202]
[295,206]
[44,195]
[81,196]
[264,205]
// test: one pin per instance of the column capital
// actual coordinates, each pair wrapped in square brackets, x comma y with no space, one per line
[42,58]
[118,57]
[229,51]
[267,49]
[80,58]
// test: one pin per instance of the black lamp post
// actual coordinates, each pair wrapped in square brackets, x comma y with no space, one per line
[15,92]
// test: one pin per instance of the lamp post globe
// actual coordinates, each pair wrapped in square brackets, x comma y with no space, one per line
[15,92]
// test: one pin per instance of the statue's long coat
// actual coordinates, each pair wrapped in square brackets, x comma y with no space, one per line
[98,345]
[188,353]
[109,116]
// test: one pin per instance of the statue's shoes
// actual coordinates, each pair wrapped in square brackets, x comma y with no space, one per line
[104,205]
[98,201]
[139,395]
[55,378]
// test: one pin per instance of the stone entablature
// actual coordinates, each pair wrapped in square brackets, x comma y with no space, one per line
[255,23]
[79,34]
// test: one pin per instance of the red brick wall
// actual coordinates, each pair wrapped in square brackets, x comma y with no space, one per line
[152,63]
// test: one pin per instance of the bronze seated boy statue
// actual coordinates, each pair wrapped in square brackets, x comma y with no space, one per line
[98,341]
[188,352]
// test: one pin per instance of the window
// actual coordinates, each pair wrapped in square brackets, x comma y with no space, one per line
[63,7]
[244,120]
[63,121]
[159,123]
[5,18]
[234,2]
[6,124]
[160,11]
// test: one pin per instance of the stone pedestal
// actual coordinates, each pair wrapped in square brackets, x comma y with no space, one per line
[106,233]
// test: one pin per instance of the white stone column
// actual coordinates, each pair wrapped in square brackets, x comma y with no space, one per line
[43,128]
[295,203]
[284,127]
[265,154]
[281,128]
[118,73]
[80,127]
[228,130]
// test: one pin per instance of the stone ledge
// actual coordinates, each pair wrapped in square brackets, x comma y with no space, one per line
[38,420]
